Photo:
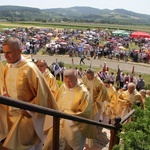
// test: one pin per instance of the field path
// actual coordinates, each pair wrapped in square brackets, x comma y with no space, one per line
[125,66]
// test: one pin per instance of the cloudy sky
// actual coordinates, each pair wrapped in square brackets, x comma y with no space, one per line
[139,6]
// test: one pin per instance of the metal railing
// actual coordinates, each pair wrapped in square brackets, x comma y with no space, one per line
[114,139]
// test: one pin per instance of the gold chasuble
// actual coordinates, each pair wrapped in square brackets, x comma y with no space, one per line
[25,82]
[51,81]
[3,108]
[125,98]
[1,73]
[98,95]
[113,96]
[75,101]
[52,84]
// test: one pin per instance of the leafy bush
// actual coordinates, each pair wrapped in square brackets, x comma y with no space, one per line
[136,135]
[61,64]
[147,87]
[59,82]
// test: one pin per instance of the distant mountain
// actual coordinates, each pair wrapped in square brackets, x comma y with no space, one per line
[17,8]
[73,11]
[16,13]
[74,14]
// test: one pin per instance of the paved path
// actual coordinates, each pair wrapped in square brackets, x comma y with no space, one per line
[102,142]
[125,66]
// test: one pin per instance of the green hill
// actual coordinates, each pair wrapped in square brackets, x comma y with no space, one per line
[74,14]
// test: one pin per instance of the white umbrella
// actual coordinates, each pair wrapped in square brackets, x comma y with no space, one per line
[28,44]
[63,43]
[49,34]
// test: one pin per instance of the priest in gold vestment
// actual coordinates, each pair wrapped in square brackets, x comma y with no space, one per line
[127,99]
[99,98]
[99,95]
[50,79]
[23,81]
[1,73]
[53,86]
[73,98]
[3,117]
[113,96]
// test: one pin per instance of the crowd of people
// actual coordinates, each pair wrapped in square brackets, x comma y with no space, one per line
[85,93]
[90,43]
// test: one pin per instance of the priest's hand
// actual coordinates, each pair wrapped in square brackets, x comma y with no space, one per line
[6,94]
[25,113]
[128,104]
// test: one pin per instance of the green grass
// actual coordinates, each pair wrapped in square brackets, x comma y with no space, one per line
[6,26]
[75,25]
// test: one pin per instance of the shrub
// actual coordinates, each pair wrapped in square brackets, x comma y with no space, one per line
[59,82]
[147,87]
[136,135]
[61,64]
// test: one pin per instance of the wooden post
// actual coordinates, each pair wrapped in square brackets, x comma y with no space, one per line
[114,139]
[56,122]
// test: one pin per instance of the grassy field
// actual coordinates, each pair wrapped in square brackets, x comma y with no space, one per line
[83,26]
[9,26]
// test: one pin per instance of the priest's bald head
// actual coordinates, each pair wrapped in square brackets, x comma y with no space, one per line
[131,87]
[70,78]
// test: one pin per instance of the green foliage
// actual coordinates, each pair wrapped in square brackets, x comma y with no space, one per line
[59,82]
[61,64]
[136,135]
[147,86]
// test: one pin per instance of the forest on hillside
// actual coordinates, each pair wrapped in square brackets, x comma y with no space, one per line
[73,14]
